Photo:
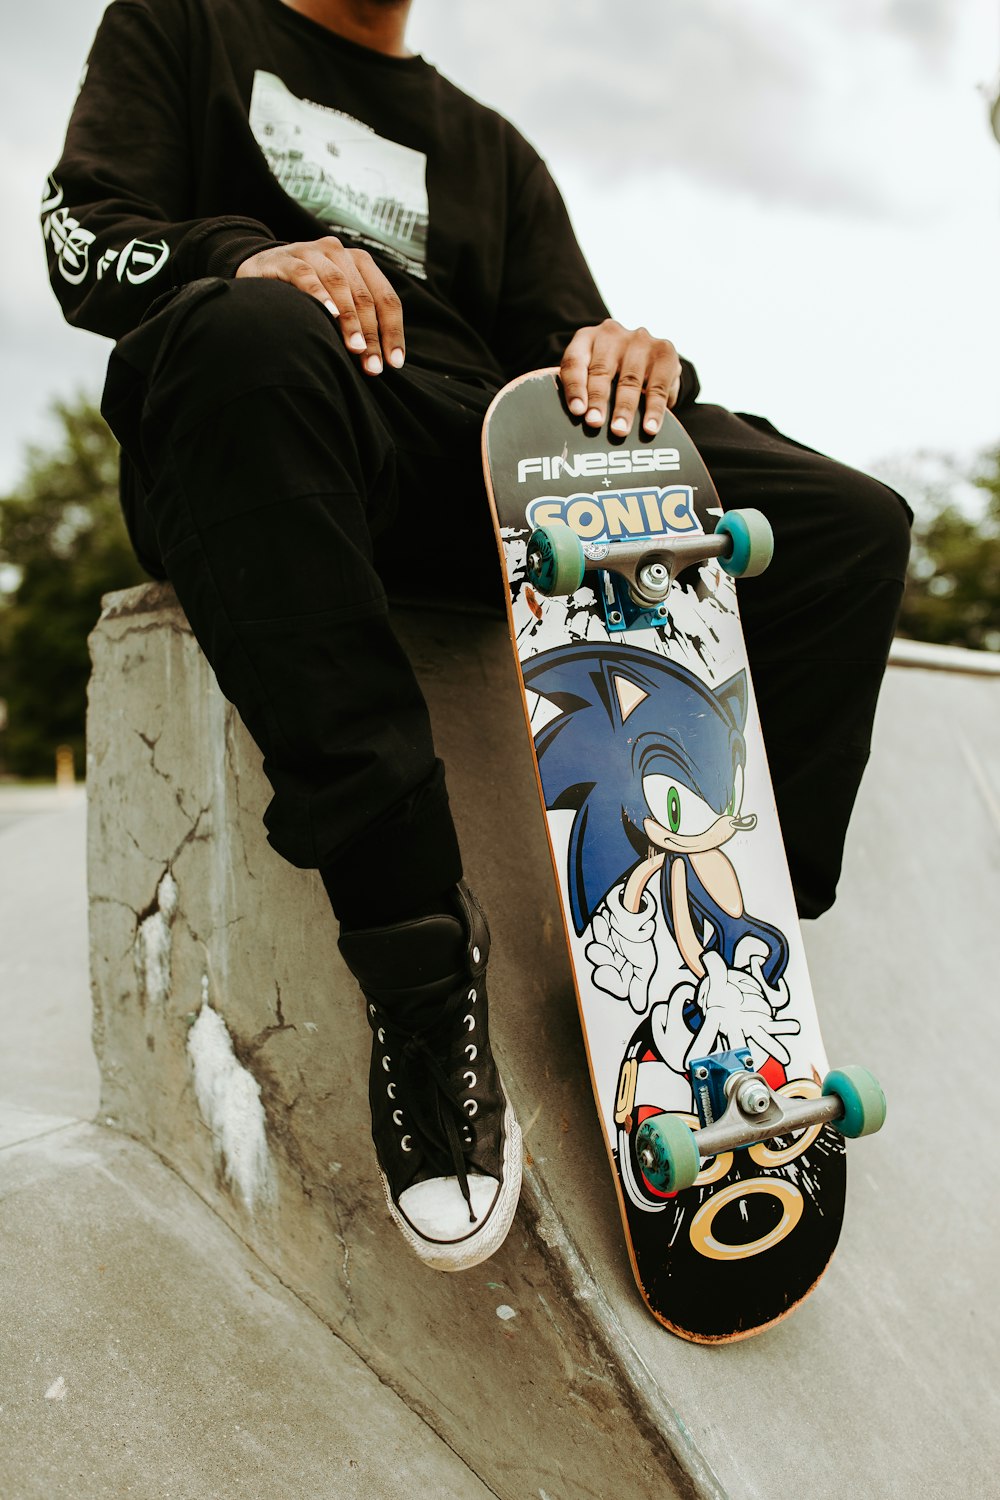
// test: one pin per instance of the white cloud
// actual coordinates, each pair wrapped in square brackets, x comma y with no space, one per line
[862,339]
[834,103]
[781,185]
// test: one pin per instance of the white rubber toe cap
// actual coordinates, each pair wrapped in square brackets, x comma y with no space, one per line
[434,1216]
[437,1210]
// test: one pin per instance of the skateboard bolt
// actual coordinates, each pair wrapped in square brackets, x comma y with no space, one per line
[654,578]
[753,1097]
[701,1072]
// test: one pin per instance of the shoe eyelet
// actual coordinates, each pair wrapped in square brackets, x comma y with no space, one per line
[471,1108]
[381,1033]
[386,1061]
[470,1023]
[472,997]
[472,1051]
[397,1117]
[406,1143]
[476,955]
[371,1010]
[391,1090]
[472,1079]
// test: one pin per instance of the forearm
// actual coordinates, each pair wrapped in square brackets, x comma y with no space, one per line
[108,260]
[119,213]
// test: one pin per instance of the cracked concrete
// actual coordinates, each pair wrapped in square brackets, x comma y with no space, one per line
[229,1101]
[253,944]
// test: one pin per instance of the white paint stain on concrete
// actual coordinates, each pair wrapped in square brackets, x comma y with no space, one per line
[229,1101]
[57,1390]
[154,943]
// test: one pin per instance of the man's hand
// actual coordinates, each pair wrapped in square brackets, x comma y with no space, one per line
[350,286]
[596,357]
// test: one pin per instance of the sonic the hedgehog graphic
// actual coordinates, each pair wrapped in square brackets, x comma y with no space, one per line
[652,761]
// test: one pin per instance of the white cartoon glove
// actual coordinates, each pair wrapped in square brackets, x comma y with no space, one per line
[737,1010]
[622,950]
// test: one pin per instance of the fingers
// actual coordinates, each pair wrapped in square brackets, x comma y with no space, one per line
[663,384]
[649,367]
[611,367]
[605,363]
[631,383]
[574,368]
[350,286]
[588,367]
[372,320]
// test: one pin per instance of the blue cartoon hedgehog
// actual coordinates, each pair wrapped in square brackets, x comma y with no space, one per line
[652,762]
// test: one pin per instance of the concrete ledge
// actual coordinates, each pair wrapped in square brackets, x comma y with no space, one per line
[944,658]
[231,1040]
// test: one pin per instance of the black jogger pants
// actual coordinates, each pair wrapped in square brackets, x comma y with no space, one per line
[262,473]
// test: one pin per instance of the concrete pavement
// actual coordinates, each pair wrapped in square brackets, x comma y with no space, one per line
[47,1059]
[148,1353]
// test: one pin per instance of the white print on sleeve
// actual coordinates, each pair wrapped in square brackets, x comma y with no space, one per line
[138,262]
[70,240]
[370,190]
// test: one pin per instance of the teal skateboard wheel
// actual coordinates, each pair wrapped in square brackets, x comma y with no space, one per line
[555,559]
[752,542]
[863,1100]
[667,1153]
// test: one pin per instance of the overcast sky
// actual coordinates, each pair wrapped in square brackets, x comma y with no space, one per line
[803,194]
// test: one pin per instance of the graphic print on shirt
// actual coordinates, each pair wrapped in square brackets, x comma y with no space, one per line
[365,188]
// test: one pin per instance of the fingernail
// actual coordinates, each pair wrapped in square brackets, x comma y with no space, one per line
[620,424]
[577,405]
[373,365]
[357,342]
[595,416]
[396,357]
[331,307]
[650,425]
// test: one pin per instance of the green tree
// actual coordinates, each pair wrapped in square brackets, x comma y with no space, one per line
[62,545]
[952,592]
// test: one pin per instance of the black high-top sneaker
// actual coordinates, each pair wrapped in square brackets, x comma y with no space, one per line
[448,1145]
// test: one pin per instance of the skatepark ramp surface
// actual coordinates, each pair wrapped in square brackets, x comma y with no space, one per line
[231,1042]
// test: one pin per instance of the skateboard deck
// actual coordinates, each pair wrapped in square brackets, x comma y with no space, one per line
[680,920]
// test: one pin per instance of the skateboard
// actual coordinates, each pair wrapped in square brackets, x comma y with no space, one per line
[724,1125]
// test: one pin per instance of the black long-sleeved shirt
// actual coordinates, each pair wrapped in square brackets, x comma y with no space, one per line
[207,130]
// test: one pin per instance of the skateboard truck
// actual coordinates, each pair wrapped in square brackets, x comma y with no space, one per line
[738,1108]
[635,574]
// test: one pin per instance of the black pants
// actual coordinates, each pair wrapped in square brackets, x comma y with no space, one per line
[263,472]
